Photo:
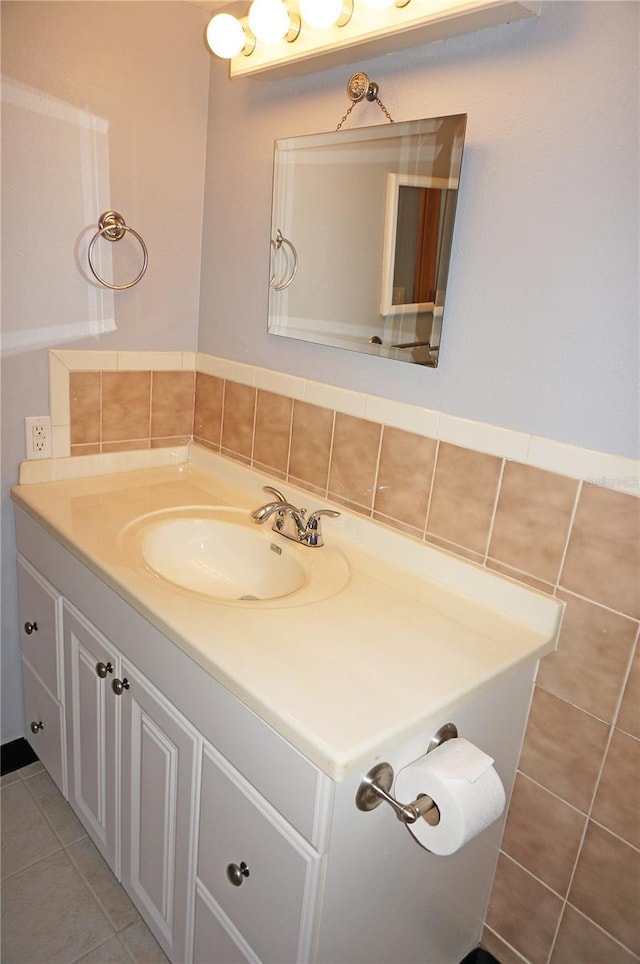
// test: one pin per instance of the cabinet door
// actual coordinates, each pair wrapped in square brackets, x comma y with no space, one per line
[159,750]
[259,871]
[39,626]
[91,663]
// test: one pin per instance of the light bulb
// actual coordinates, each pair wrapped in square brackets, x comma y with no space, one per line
[269,20]
[225,36]
[320,13]
[378,4]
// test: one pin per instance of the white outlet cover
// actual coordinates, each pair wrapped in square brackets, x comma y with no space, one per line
[37,436]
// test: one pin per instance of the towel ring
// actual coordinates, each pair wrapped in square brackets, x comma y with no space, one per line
[275,247]
[112,227]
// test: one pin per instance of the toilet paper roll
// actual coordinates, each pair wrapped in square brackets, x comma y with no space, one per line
[468,792]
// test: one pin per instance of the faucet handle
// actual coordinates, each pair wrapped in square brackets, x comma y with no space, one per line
[313,518]
[313,536]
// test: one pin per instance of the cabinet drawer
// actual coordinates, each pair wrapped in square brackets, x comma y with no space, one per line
[40,607]
[44,713]
[281,870]
[213,944]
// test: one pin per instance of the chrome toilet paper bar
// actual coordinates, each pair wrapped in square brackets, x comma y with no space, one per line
[375,786]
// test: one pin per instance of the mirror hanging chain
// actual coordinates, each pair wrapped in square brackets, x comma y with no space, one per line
[361,88]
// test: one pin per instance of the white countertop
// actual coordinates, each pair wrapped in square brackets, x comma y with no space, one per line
[415,633]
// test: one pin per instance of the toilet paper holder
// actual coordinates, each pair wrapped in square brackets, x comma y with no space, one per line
[375,786]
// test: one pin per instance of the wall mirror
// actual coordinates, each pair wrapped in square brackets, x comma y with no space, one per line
[361,236]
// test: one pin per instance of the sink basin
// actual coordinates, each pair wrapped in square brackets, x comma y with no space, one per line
[220,553]
[220,559]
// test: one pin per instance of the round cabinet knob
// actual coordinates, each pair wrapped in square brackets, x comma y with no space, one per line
[36,727]
[103,668]
[119,685]
[236,874]
[30,628]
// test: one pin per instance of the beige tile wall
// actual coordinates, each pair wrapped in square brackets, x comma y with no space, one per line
[567,889]
[112,411]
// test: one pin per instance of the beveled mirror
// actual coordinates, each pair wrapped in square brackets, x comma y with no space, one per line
[362,230]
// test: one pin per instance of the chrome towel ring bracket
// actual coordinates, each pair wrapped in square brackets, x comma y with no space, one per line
[291,263]
[112,227]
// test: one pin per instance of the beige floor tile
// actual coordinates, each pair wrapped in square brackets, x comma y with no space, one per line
[112,952]
[65,922]
[111,896]
[30,770]
[26,835]
[141,945]
[8,778]
[63,821]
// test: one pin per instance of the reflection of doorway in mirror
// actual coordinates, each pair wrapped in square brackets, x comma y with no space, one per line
[416,254]
[412,244]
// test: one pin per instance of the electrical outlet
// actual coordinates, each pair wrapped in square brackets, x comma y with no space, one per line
[37,432]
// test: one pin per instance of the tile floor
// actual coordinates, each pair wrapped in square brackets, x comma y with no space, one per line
[60,902]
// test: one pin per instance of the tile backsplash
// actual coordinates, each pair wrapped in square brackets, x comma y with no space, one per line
[112,411]
[552,516]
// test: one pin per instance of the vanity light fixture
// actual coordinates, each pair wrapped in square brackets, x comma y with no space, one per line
[227,38]
[270,21]
[279,38]
[321,14]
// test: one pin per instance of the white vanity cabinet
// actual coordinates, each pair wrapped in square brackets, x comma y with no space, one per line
[42,661]
[233,845]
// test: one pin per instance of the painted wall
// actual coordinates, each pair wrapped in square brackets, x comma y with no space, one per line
[104,106]
[541,327]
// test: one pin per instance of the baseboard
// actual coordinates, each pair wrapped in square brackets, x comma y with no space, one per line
[479,956]
[15,755]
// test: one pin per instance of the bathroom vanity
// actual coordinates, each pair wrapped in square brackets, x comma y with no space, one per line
[213,748]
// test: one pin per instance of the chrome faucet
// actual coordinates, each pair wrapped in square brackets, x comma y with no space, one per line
[290,522]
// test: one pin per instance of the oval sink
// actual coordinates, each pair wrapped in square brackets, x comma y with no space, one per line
[221,554]
[220,559]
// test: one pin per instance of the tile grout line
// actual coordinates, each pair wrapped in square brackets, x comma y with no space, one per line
[376,473]
[494,513]
[503,940]
[574,512]
[290,441]
[330,458]
[432,482]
